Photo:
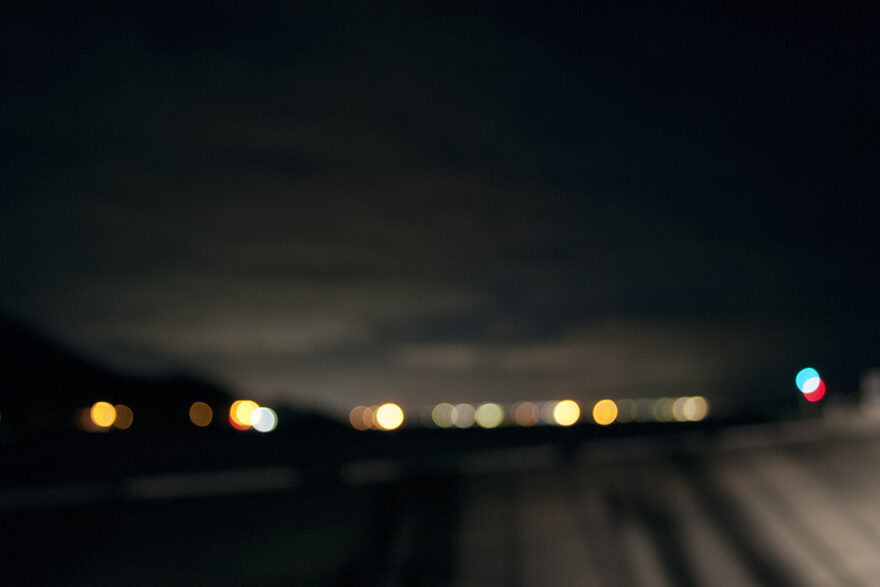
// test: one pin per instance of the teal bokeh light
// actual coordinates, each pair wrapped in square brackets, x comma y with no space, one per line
[804,375]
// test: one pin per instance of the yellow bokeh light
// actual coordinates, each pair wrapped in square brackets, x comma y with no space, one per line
[200,414]
[695,408]
[124,417]
[566,412]
[240,412]
[678,409]
[489,415]
[605,412]
[389,416]
[103,414]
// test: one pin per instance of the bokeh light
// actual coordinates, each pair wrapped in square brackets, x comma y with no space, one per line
[369,415]
[441,415]
[102,414]
[678,409]
[695,408]
[811,385]
[389,416]
[463,416]
[626,410]
[200,414]
[816,394]
[804,375]
[662,409]
[604,412]
[264,419]
[546,411]
[526,414]
[356,417]
[489,415]
[567,412]
[240,413]
[124,417]
[244,411]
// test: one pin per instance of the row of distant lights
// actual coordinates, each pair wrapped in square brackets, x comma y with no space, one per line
[243,415]
[542,413]
[103,416]
[385,417]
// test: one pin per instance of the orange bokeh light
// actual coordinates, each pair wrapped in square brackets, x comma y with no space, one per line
[526,414]
[356,417]
[240,413]
[102,414]
[124,417]
[200,414]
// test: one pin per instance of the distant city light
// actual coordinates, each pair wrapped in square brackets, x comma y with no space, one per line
[695,408]
[526,414]
[810,384]
[124,417]
[200,414]
[567,412]
[369,416]
[441,415]
[240,413]
[678,409]
[244,411]
[545,409]
[804,375]
[356,417]
[626,410]
[463,415]
[102,414]
[553,412]
[817,393]
[389,416]
[605,412]
[489,415]
[662,409]
[264,419]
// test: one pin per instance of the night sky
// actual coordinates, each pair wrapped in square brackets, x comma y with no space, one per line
[331,204]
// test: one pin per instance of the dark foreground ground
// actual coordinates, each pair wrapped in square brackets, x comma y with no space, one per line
[773,504]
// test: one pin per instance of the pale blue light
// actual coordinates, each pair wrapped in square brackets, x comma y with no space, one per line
[803,375]
[811,385]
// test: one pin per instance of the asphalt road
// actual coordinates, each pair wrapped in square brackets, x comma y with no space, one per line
[792,504]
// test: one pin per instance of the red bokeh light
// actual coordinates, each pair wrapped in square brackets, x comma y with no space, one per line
[816,394]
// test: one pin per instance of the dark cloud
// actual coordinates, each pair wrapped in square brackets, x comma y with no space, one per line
[335,204]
